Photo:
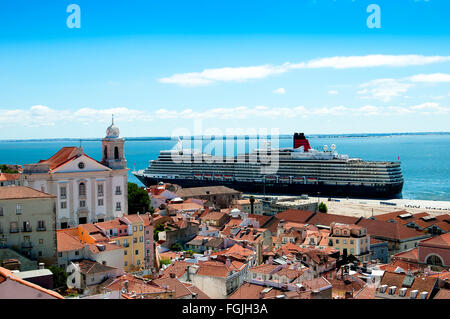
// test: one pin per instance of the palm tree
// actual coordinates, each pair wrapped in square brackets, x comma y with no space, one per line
[252,204]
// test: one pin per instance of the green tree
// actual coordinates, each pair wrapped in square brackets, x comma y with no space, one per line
[323,207]
[138,199]
[59,277]
[5,169]
[157,230]
[176,247]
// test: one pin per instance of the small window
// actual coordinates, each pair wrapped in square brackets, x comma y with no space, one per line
[82,203]
[118,206]
[100,202]
[77,253]
[140,227]
[63,205]
[80,165]
[63,192]
[100,190]
[125,252]
[60,254]
[118,190]
[136,252]
[64,225]
[1,211]
[82,189]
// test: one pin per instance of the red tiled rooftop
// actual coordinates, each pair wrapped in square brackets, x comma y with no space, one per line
[7,274]
[22,192]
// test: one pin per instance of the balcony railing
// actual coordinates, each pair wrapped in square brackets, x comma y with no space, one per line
[27,245]
[14,230]
[27,229]
[118,192]
[126,245]
[41,228]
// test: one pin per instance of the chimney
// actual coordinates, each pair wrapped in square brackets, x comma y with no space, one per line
[41,266]
[228,262]
[262,294]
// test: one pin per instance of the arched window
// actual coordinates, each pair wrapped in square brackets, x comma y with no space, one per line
[116,153]
[434,260]
[82,189]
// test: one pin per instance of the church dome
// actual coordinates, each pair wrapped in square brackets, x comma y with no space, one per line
[112,131]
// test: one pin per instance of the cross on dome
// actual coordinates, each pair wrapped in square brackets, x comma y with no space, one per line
[112,131]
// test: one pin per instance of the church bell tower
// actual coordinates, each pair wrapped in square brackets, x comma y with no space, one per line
[113,148]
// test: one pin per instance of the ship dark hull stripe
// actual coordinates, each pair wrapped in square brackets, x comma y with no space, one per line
[386,191]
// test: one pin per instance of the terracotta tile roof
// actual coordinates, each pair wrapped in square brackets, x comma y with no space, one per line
[347,283]
[93,267]
[290,273]
[195,290]
[173,284]
[395,216]
[262,219]
[367,292]
[6,274]
[295,215]
[420,283]
[389,230]
[22,192]
[444,275]
[214,216]
[184,207]
[9,177]
[214,269]
[110,224]
[374,241]
[236,251]
[178,268]
[440,241]
[411,255]
[316,283]
[327,219]
[443,294]
[264,268]
[64,155]
[67,241]
[139,285]
[205,191]
[252,291]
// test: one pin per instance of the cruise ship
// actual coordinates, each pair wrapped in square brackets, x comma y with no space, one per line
[292,171]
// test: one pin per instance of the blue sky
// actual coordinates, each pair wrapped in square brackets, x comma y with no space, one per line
[165,66]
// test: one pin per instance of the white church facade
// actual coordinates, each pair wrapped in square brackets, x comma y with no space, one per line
[87,191]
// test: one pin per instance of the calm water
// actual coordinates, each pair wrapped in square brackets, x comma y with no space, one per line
[425,158]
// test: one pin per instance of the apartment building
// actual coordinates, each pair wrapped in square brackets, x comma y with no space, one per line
[27,222]
[354,239]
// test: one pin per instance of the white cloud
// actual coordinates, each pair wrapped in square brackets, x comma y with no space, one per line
[333,92]
[280,91]
[41,116]
[240,74]
[431,78]
[383,89]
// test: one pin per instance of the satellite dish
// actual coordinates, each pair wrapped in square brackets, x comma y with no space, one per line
[333,147]
[325,147]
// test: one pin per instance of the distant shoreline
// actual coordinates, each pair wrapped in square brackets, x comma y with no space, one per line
[239,137]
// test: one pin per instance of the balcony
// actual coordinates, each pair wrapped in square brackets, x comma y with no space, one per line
[118,192]
[126,245]
[41,229]
[27,229]
[27,245]
[13,230]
